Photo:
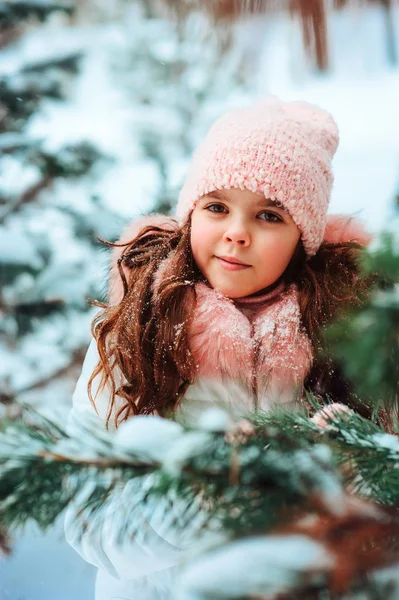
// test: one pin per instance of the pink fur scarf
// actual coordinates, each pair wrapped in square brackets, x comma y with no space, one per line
[270,347]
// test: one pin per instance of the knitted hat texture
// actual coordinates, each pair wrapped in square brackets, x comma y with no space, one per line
[282,150]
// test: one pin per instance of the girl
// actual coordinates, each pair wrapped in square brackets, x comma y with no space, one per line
[223,304]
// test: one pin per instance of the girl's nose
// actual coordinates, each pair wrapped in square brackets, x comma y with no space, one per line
[237,234]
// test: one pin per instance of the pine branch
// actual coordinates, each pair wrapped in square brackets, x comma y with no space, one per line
[74,363]
[22,91]
[9,396]
[284,464]
[356,443]
[11,142]
[9,35]
[70,161]
[260,480]
[5,548]
[15,11]
[366,341]
[28,196]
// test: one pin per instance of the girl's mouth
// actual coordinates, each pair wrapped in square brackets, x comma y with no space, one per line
[231,264]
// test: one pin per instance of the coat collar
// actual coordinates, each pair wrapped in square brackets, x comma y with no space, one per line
[226,344]
[260,299]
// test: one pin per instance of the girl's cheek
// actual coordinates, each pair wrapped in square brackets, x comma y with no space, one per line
[198,241]
[202,231]
[280,252]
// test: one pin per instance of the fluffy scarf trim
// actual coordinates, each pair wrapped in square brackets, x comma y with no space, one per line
[270,346]
[226,344]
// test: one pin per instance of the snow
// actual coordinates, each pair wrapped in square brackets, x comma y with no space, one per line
[186,447]
[41,356]
[137,437]
[214,419]
[105,107]
[390,442]
[17,249]
[251,566]
[16,177]
[362,93]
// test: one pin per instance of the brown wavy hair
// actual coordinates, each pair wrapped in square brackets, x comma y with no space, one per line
[144,338]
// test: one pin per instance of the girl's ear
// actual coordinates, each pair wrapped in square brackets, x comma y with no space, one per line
[115,287]
[344,228]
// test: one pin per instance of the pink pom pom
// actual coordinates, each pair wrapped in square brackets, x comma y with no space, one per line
[341,228]
[324,417]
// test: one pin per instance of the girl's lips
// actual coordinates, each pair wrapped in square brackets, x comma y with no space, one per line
[229,266]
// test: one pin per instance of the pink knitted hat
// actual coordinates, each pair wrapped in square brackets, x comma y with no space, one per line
[280,149]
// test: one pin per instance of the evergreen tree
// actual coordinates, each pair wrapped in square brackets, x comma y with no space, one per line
[49,220]
[185,72]
[309,513]
[366,340]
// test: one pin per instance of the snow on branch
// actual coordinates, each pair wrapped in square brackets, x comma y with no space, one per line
[256,486]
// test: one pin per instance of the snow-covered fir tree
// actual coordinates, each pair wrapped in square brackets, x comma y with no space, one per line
[177,75]
[63,188]
[49,214]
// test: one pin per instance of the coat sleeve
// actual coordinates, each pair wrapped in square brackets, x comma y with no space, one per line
[156,545]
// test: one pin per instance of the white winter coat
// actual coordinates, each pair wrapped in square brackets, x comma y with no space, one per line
[140,570]
[247,358]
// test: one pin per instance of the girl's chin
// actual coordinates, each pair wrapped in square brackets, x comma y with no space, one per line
[232,289]
[232,293]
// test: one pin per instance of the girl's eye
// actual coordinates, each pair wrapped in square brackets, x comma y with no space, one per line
[270,217]
[216,208]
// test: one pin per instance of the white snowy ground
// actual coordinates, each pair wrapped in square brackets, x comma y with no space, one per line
[362,92]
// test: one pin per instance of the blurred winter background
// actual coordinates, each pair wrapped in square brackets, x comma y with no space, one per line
[101,104]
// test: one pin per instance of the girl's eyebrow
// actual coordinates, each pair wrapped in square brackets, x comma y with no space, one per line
[217,195]
[262,202]
[270,202]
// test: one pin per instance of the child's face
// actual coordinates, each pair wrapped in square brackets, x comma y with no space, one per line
[242,226]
